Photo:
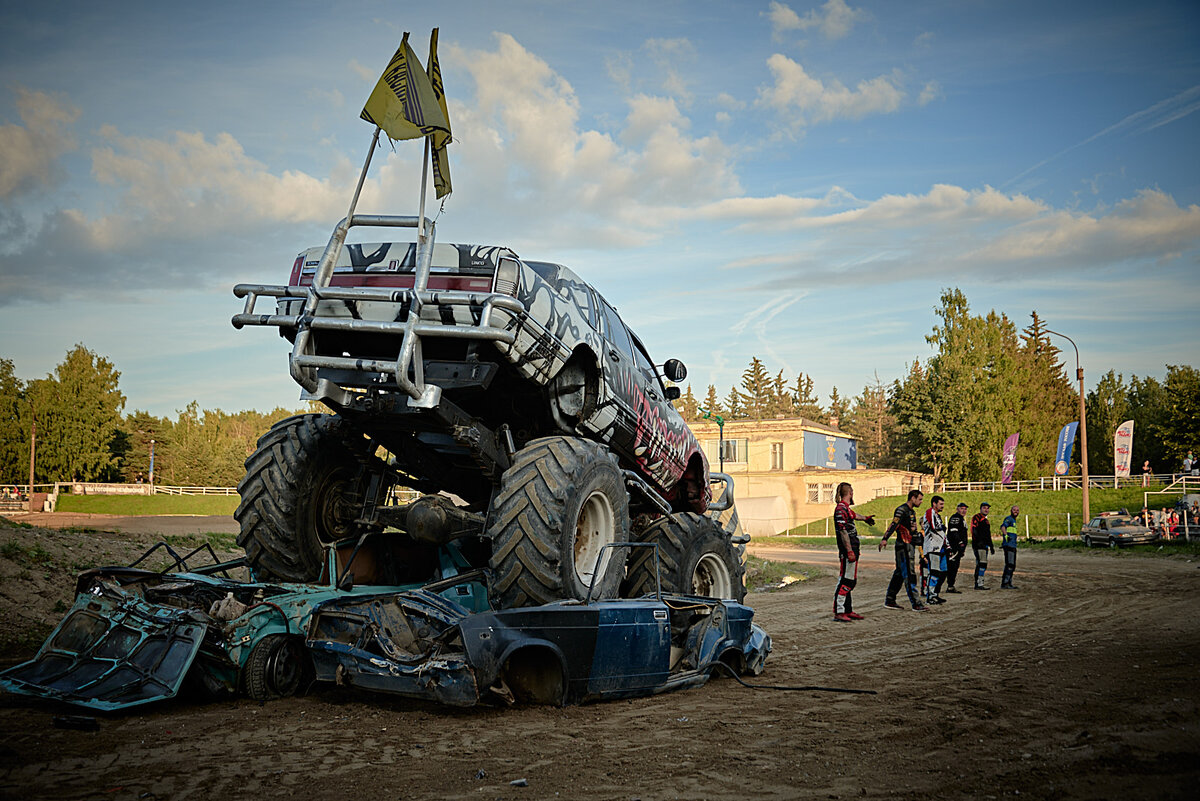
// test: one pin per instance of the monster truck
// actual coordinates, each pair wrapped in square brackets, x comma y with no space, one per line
[511,385]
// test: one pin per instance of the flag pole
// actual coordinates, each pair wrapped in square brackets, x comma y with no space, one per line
[333,250]
[424,183]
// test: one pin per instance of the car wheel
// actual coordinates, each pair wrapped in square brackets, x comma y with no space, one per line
[304,488]
[559,504]
[696,556]
[1087,541]
[277,668]
[1112,542]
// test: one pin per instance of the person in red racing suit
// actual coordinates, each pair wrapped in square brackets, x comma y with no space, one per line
[848,550]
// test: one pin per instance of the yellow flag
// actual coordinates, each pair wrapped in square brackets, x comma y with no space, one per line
[439,140]
[403,102]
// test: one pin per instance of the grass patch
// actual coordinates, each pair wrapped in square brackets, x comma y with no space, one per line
[32,555]
[830,543]
[7,522]
[133,505]
[767,574]
[1033,505]
[219,541]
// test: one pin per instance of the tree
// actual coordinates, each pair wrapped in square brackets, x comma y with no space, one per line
[711,404]
[14,427]
[78,411]
[756,390]
[688,405]
[804,401]
[734,408]
[873,425]
[1179,426]
[839,409]
[139,429]
[1107,407]
[1046,400]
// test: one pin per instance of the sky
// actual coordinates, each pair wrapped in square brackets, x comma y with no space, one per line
[797,181]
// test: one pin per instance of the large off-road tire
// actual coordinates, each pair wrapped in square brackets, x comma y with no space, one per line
[558,504]
[696,558]
[278,667]
[304,487]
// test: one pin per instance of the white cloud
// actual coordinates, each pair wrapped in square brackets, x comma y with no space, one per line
[805,99]
[29,153]
[834,19]
[931,92]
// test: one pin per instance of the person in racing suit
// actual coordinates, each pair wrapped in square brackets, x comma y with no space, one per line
[848,550]
[1008,541]
[981,542]
[935,548]
[904,526]
[956,535]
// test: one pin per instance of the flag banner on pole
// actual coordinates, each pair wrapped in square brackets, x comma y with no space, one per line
[1066,443]
[1123,448]
[439,140]
[403,102]
[1010,458]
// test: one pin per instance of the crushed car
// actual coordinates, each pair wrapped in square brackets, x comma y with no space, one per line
[135,636]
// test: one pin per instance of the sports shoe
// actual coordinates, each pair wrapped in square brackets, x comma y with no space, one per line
[843,618]
[956,592]
[920,608]
[854,616]
[981,587]
[935,600]
[1007,587]
[892,605]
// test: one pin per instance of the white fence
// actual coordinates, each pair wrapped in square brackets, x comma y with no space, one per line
[1060,483]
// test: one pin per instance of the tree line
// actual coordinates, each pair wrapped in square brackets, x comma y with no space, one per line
[949,414]
[83,433]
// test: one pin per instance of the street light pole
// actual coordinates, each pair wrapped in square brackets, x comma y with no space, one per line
[152,466]
[32,444]
[1087,514]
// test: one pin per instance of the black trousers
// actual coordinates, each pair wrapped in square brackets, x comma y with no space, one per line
[952,564]
[1010,564]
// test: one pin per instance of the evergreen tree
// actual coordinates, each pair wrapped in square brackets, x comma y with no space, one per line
[756,390]
[781,398]
[1045,400]
[1149,404]
[734,407]
[711,404]
[872,424]
[139,428]
[688,406]
[804,400]
[839,409]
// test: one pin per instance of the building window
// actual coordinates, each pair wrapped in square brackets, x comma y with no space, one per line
[731,450]
[814,493]
[776,455]
[826,493]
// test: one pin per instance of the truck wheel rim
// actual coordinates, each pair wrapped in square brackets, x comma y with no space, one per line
[594,529]
[711,578]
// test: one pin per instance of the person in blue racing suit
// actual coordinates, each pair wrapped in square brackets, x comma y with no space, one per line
[1008,530]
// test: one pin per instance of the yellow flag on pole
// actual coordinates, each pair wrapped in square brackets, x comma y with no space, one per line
[403,102]
[439,140]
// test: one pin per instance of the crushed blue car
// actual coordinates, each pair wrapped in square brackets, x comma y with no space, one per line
[135,636]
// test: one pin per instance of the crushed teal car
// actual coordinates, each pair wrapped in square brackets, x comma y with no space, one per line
[134,636]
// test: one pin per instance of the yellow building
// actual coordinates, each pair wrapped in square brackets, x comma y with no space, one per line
[785,470]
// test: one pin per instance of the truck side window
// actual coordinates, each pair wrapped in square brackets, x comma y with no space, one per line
[614,331]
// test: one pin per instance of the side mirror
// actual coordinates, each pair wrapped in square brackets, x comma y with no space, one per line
[672,393]
[674,370]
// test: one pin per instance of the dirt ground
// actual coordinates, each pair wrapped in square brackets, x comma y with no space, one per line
[1080,684]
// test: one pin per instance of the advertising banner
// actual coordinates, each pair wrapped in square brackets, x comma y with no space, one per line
[1010,458]
[1066,443]
[1123,448]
